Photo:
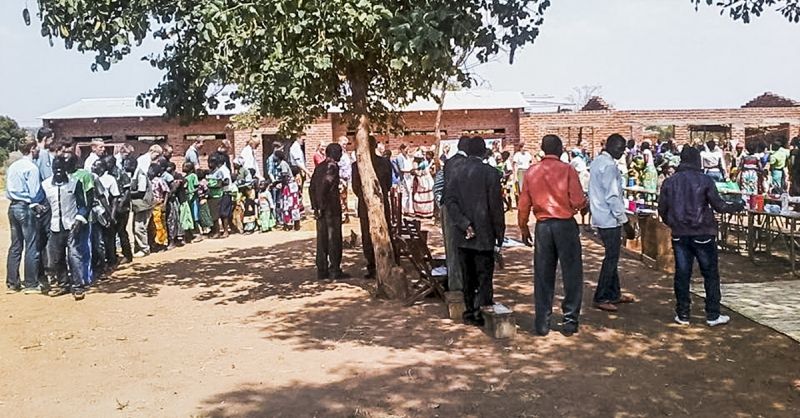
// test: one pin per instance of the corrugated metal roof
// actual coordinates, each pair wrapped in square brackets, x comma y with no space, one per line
[126,106]
[122,107]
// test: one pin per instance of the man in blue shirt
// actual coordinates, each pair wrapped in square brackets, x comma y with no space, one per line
[608,216]
[24,191]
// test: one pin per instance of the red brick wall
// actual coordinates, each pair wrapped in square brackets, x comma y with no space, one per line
[454,123]
[598,125]
[593,126]
[119,128]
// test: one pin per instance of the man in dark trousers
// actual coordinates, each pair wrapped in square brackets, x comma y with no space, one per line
[455,280]
[687,203]
[552,190]
[327,208]
[474,204]
[383,170]
[608,216]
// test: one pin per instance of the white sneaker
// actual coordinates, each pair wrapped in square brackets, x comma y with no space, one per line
[722,320]
[140,254]
[680,321]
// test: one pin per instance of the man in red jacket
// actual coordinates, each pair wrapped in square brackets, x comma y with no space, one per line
[552,190]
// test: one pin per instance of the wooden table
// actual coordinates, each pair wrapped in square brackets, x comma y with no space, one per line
[763,228]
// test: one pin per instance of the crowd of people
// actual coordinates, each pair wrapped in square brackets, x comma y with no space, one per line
[71,220]
[556,187]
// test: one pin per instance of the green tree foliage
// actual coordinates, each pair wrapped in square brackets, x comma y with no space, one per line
[11,135]
[745,10]
[292,59]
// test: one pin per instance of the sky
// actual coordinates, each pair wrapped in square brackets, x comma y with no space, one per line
[645,54]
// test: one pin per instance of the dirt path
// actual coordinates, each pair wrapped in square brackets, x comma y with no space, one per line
[241,328]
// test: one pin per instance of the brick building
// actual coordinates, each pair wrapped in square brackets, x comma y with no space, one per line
[497,115]
[494,115]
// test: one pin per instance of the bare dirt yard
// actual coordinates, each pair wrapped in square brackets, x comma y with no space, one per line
[241,327]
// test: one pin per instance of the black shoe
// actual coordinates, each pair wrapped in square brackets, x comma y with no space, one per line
[569,328]
[13,290]
[322,276]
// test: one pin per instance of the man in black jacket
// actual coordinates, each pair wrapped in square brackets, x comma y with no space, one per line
[474,204]
[383,170]
[325,202]
[455,280]
[687,204]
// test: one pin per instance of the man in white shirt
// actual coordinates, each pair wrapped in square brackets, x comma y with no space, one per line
[98,149]
[248,155]
[144,160]
[297,158]
[521,162]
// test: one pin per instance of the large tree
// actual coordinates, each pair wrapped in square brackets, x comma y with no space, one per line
[292,59]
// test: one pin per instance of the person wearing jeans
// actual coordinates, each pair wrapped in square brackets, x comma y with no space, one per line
[24,191]
[687,203]
[704,249]
[66,225]
[608,216]
[553,191]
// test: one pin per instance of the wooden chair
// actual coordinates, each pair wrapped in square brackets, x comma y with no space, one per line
[431,280]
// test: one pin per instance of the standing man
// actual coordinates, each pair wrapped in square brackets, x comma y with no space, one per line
[70,214]
[455,279]
[474,204]
[608,216]
[521,162]
[124,152]
[24,192]
[142,201]
[345,175]
[687,203]
[98,150]
[552,190]
[47,152]
[383,170]
[405,166]
[248,155]
[144,160]
[328,212]
[192,154]
[297,158]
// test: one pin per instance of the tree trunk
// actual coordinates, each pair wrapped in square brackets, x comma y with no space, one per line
[391,283]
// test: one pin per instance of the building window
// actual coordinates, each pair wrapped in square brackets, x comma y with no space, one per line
[105,138]
[205,137]
[147,138]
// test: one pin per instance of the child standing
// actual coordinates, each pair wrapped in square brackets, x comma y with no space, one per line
[250,212]
[160,192]
[266,208]
[204,218]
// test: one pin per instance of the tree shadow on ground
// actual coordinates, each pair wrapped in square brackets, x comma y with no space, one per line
[654,366]
[231,275]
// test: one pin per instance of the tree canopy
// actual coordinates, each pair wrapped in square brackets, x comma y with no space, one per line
[292,59]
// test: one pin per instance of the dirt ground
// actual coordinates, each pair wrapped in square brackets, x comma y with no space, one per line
[241,327]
